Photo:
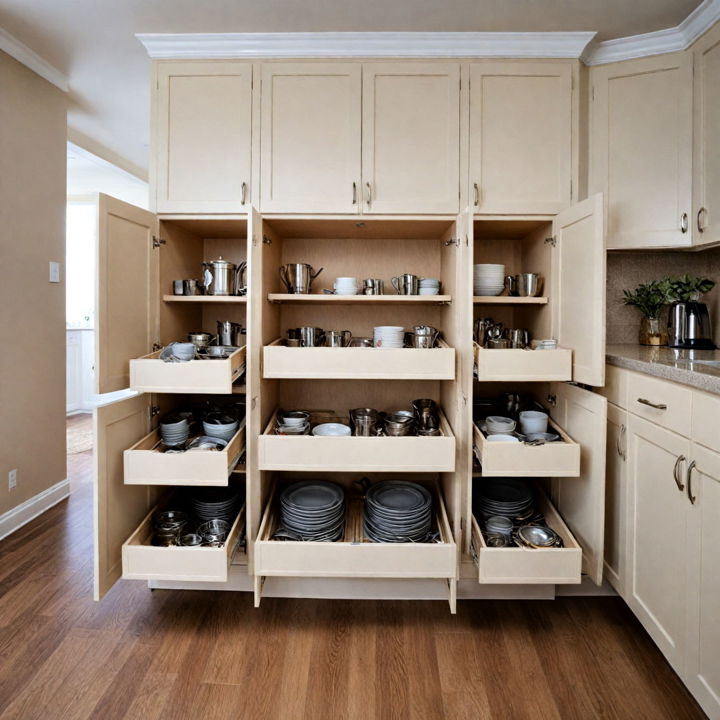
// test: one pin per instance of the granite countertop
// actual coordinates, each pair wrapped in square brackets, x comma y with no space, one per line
[697,368]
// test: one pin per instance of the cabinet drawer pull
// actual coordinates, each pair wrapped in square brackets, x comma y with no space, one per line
[657,406]
[700,217]
[688,481]
[622,453]
[676,472]
[684,223]
[476,194]
[369,193]
[354,202]
[244,193]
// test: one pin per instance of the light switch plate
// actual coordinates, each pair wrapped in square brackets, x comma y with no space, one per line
[54,272]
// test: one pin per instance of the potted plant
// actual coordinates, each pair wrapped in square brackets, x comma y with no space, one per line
[650,298]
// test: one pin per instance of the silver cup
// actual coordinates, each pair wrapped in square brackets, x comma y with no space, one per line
[191,287]
[364,422]
[311,336]
[426,414]
[334,338]
[406,284]
[374,286]
[517,338]
[178,287]
[528,284]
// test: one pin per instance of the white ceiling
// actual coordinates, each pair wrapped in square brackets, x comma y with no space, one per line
[93,41]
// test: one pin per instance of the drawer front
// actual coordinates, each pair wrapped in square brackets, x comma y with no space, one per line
[616,386]
[523,365]
[661,402]
[705,426]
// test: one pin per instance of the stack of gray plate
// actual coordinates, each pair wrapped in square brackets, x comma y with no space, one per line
[507,497]
[216,504]
[398,511]
[312,510]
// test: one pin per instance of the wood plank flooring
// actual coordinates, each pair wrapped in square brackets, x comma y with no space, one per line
[211,656]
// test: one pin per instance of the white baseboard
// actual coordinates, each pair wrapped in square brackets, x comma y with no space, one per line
[14,519]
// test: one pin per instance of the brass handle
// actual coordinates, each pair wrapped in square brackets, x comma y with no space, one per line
[657,406]
[700,217]
[244,193]
[476,191]
[354,202]
[684,223]
[688,480]
[620,451]
[676,472]
[369,193]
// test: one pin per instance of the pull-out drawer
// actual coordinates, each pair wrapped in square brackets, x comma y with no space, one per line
[660,401]
[145,465]
[526,566]
[143,561]
[553,459]
[357,454]
[523,365]
[151,374]
[437,363]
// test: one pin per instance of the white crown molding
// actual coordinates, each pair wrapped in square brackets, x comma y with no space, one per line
[23,54]
[206,46]
[674,39]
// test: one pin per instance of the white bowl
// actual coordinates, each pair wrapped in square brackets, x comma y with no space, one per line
[533,421]
[331,430]
[497,425]
[502,438]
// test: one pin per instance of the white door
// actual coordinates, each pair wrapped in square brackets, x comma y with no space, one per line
[127,294]
[520,137]
[581,500]
[203,128]
[310,138]
[411,138]
[706,141]
[578,288]
[641,149]
[616,498]
[703,651]
[657,528]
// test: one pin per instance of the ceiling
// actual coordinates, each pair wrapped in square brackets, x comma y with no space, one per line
[93,41]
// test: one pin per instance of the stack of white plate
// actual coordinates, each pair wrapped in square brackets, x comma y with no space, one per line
[174,430]
[429,286]
[218,425]
[507,497]
[313,510]
[346,286]
[397,511]
[488,279]
[389,336]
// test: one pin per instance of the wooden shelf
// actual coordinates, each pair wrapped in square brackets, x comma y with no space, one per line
[360,299]
[206,298]
[508,300]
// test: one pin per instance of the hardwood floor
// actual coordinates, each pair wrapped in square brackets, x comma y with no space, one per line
[172,655]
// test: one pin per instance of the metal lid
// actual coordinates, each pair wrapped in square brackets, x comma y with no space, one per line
[223,263]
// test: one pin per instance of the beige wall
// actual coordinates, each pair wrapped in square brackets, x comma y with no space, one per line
[33,131]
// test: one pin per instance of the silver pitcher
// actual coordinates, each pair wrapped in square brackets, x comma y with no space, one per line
[229,333]
[298,277]
[222,277]
[517,338]
[406,284]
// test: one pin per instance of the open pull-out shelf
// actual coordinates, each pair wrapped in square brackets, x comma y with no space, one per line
[280,361]
[527,566]
[151,374]
[146,465]
[357,454]
[523,365]
[505,459]
[355,556]
[143,561]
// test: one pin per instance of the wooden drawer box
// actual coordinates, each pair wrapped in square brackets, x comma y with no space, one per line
[555,459]
[150,374]
[523,365]
[358,454]
[676,399]
[144,465]
[280,361]
[524,566]
[143,561]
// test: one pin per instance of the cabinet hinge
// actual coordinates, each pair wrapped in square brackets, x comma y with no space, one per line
[592,93]
[452,241]
[267,240]
[551,241]
[154,410]
[156,346]
[552,400]
[157,241]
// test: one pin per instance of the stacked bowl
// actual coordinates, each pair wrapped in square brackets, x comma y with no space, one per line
[506,497]
[389,336]
[488,279]
[346,286]
[397,511]
[429,286]
[174,430]
[220,425]
[312,510]
[294,422]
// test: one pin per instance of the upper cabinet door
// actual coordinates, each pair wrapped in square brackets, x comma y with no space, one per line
[203,121]
[578,288]
[581,501]
[706,165]
[641,150]
[127,291]
[310,138]
[411,138]
[520,137]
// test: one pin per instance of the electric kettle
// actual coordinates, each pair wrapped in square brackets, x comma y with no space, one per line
[689,326]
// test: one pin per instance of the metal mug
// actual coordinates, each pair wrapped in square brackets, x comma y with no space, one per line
[374,286]
[334,338]
[298,277]
[406,284]
[229,333]
[347,337]
[422,342]
[364,422]
[511,285]
[517,338]
[191,287]
[178,287]
[311,336]
[426,414]
[528,284]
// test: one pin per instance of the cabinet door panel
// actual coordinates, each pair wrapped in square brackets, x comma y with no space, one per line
[706,166]
[126,292]
[616,498]
[203,136]
[411,138]
[521,136]
[578,288]
[310,156]
[657,572]
[641,148]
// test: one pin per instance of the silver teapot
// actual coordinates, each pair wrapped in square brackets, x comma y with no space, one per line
[222,277]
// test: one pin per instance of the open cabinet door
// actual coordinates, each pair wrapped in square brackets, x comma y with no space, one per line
[581,500]
[127,297]
[118,508]
[578,287]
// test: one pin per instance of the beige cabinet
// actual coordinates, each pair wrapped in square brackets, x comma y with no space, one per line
[411,138]
[616,487]
[641,150]
[310,138]
[706,139]
[520,137]
[202,144]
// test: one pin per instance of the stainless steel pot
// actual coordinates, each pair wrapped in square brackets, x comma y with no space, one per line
[222,277]
[298,277]
[229,333]
[200,339]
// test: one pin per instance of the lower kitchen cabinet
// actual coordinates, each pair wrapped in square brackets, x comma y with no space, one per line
[616,492]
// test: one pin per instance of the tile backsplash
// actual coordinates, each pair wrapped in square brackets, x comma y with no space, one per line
[630,269]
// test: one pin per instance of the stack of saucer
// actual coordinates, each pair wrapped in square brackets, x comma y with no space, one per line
[346,286]
[174,430]
[488,279]
[389,336]
[429,286]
